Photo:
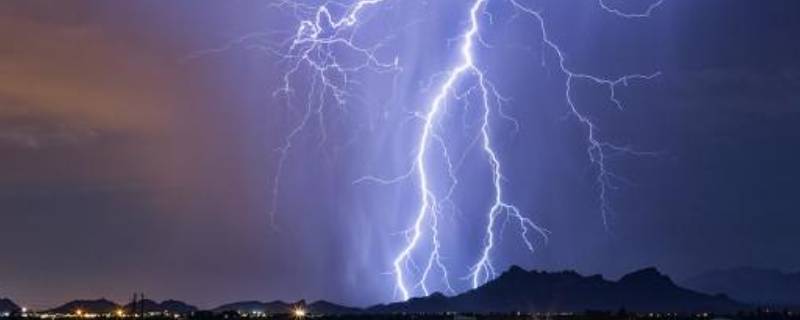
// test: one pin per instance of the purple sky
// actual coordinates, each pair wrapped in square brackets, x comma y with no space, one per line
[125,166]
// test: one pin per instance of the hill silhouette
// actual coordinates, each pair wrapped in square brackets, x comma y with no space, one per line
[8,306]
[100,306]
[104,306]
[177,307]
[751,285]
[517,290]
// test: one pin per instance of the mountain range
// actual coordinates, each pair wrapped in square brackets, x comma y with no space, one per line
[103,306]
[517,290]
[751,285]
[100,306]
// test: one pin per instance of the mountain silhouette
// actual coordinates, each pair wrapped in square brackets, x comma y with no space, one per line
[177,307]
[257,306]
[751,285]
[242,307]
[100,306]
[517,290]
[8,306]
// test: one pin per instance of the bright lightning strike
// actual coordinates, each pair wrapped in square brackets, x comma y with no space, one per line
[313,55]
[597,149]
[429,202]
[466,68]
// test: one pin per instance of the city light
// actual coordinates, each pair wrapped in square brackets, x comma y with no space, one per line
[299,313]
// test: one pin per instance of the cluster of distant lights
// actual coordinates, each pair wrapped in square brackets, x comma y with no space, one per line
[296,313]
[79,313]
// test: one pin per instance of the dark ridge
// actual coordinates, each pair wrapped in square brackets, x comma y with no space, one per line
[100,306]
[8,306]
[517,290]
[281,307]
[177,307]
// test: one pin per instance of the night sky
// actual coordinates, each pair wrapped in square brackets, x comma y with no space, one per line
[128,162]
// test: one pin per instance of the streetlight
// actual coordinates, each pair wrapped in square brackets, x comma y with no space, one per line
[299,312]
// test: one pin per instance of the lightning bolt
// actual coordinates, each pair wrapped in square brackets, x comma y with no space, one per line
[428,205]
[312,55]
[597,150]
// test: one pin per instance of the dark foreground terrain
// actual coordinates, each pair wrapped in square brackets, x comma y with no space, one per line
[515,294]
[590,315]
